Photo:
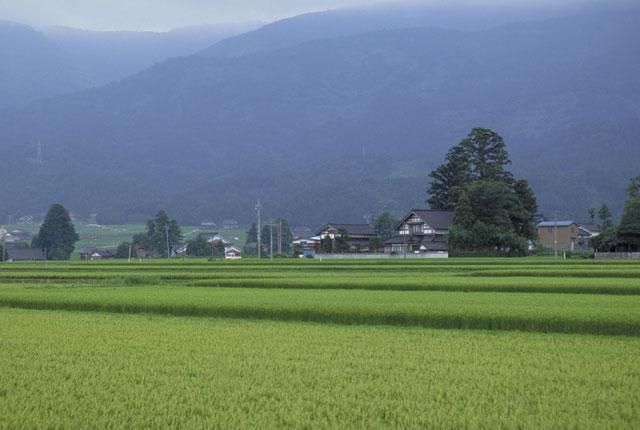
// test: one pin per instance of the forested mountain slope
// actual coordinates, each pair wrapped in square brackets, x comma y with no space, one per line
[337,128]
[56,60]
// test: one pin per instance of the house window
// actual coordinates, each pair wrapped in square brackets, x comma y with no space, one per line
[549,230]
[428,230]
[416,228]
[396,248]
[571,229]
[563,245]
[549,245]
[404,229]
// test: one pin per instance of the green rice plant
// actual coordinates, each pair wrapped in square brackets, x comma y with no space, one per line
[89,370]
[436,283]
[561,313]
[577,273]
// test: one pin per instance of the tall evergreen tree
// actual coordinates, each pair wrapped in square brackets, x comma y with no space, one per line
[463,215]
[485,150]
[605,216]
[497,210]
[155,238]
[449,179]
[280,226]
[252,233]
[521,214]
[57,235]
[633,189]
[629,228]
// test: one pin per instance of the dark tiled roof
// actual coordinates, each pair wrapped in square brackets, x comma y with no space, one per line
[589,227]
[352,229]
[438,219]
[209,234]
[25,254]
[435,246]
[435,242]
[358,241]
[408,239]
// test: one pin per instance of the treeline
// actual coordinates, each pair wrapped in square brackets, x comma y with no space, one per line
[625,237]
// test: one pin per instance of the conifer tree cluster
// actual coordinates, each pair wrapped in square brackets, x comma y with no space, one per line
[493,211]
[626,236]
[160,230]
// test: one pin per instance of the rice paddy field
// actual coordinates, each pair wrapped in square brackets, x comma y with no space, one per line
[457,343]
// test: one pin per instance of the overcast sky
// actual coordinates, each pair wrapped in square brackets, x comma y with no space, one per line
[162,15]
[158,14]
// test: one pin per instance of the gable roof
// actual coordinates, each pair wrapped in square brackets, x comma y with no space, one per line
[352,229]
[25,254]
[435,218]
[591,228]
[553,223]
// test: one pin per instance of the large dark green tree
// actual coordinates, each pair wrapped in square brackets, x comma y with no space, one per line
[155,238]
[449,179]
[279,226]
[383,225]
[487,155]
[198,247]
[605,216]
[497,210]
[57,235]
[341,240]
[463,215]
[629,228]
[122,251]
[252,233]
[460,231]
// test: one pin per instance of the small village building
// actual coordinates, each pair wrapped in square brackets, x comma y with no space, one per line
[359,234]
[421,231]
[19,235]
[567,234]
[90,254]
[25,254]
[232,251]
[585,232]
[309,246]
[178,250]
[302,232]
[214,237]
[229,223]
[141,252]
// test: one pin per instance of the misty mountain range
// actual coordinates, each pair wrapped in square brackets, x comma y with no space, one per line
[325,117]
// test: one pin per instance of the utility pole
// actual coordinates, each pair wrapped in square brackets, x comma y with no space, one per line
[555,236]
[166,227]
[258,207]
[271,240]
[4,245]
[279,236]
